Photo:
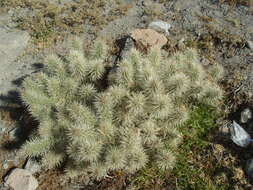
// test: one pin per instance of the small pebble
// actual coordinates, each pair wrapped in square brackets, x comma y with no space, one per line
[250,44]
[246,115]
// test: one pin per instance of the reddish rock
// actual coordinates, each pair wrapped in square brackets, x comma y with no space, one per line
[147,38]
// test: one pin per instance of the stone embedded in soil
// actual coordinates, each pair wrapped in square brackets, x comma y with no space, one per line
[20,179]
[250,44]
[148,38]
[246,115]
[2,187]
[12,45]
[2,127]
[160,26]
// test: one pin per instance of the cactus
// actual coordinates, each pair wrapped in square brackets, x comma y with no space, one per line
[95,121]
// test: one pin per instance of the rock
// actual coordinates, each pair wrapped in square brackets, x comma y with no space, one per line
[250,44]
[20,179]
[147,38]
[160,26]
[246,115]
[2,127]
[239,136]
[2,187]
[5,164]
[13,44]
[181,44]
[14,133]
[32,166]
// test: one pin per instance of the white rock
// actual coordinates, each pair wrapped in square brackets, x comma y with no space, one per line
[239,136]
[20,179]
[160,26]
[246,115]
[250,44]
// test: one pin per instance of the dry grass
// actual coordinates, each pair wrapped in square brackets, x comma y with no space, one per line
[238,2]
[51,22]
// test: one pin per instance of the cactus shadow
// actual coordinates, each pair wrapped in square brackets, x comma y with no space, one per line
[11,106]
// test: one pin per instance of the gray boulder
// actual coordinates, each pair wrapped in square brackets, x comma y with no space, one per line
[20,179]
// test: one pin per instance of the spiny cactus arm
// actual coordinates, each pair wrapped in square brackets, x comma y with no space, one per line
[69,90]
[77,133]
[194,71]
[117,93]
[74,169]
[86,92]
[76,43]
[98,170]
[34,90]
[76,64]
[54,66]
[153,85]
[53,88]
[154,56]
[115,158]
[177,84]
[95,69]
[177,117]
[136,103]
[45,127]
[149,132]
[81,114]
[165,159]
[99,50]
[51,160]
[167,69]
[107,130]
[104,106]
[37,147]
[173,138]
[136,159]
[135,57]
[125,74]
[211,94]
[160,106]
[89,150]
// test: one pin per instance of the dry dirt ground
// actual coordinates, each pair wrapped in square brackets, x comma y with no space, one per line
[219,29]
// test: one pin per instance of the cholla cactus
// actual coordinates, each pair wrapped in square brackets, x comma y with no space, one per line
[131,121]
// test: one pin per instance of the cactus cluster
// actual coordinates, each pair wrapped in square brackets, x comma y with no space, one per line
[95,120]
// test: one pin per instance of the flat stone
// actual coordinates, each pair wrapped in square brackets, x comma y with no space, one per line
[12,45]
[148,38]
[160,26]
[20,179]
